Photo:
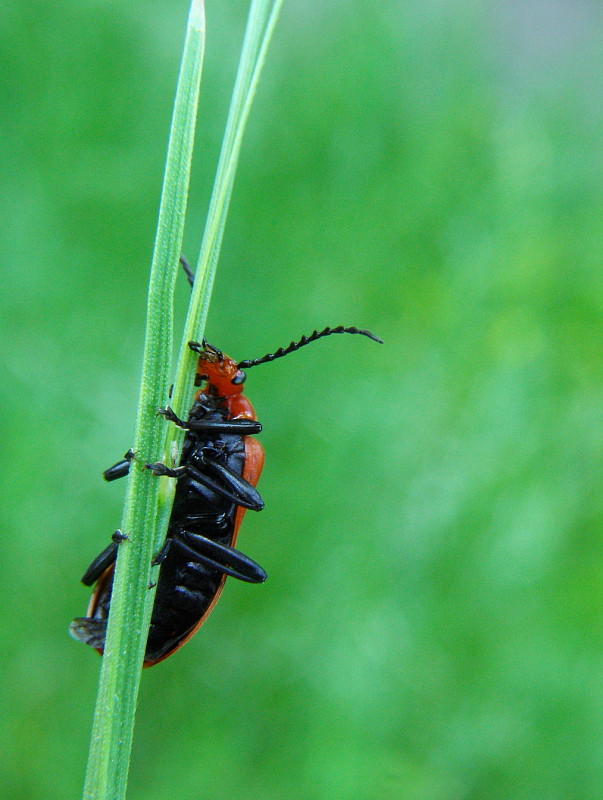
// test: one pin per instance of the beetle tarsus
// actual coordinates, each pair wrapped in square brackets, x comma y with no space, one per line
[171,416]
[162,470]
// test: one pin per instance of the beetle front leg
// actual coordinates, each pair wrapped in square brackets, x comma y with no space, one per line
[242,426]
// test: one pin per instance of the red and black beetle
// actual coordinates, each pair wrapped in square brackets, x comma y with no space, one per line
[219,469]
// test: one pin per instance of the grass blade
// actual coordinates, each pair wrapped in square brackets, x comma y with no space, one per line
[263,15]
[131,601]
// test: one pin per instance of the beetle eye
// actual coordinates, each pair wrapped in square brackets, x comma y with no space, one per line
[239,378]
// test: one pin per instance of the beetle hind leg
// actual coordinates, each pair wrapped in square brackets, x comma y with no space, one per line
[89,631]
[220,557]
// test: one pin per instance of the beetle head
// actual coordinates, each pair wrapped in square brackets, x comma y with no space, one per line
[221,372]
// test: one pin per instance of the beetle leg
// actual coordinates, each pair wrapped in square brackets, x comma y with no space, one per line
[89,630]
[100,564]
[238,485]
[171,416]
[232,488]
[245,427]
[221,557]
[121,469]
[231,485]
[160,557]
[242,426]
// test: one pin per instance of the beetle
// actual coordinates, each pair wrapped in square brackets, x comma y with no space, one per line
[216,482]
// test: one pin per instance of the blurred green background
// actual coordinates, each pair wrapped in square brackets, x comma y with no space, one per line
[432,627]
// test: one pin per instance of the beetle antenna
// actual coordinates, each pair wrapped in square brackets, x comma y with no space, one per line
[284,351]
[190,275]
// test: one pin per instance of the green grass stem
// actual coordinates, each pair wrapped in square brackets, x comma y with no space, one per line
[131,602]
[263,15]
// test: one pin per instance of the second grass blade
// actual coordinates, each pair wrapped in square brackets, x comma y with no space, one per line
[263,15]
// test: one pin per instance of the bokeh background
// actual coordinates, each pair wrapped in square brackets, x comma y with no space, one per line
[432,627]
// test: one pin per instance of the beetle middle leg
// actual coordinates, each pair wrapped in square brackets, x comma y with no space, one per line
[121,469]
[230,485]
